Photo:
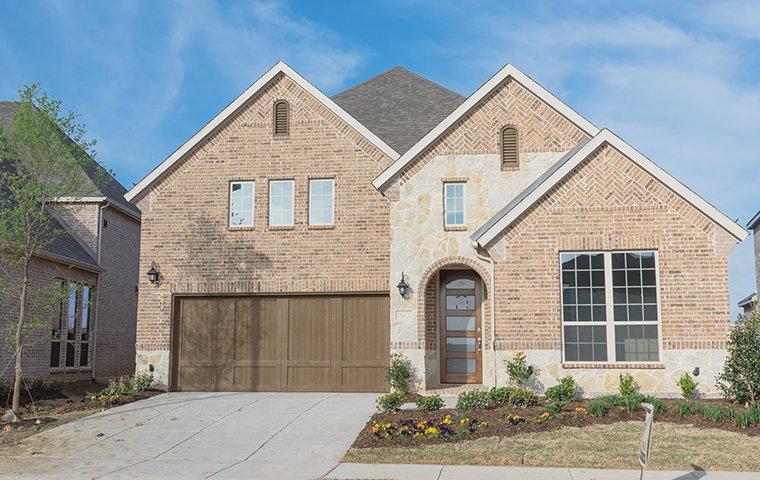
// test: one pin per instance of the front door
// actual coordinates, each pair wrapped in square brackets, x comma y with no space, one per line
[460,328]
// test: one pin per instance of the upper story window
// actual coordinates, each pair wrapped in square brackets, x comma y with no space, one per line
[281,117]
[610,307]
[453,204]
[281,203]
[321,201]
[509,155]
[241,204]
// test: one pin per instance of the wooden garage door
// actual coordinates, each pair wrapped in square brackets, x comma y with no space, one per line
[296,343]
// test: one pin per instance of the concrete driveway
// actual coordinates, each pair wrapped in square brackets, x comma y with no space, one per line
[199,435]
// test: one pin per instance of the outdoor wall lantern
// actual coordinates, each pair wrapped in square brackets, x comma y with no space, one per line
[153,273]
[696,371]
[403,287]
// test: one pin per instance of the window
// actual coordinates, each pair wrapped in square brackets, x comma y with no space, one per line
[609,307]
[509,155]
[71,324]
[281,203]
[321,203]
[84,328]
[75,307]
[281,117]
[453,204]
[55,337]
[241,203]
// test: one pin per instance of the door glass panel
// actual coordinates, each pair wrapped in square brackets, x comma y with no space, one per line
[460,365]
[460,323]
[460,302]
[461,283]
[460,344]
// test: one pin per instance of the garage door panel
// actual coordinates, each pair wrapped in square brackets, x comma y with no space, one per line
[309,343]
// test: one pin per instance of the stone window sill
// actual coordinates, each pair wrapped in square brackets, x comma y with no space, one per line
[613,366]
[321,227]
[282,227]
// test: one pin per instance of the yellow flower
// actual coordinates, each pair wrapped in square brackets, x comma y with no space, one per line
[581,410]
[421,424]
[431,431]
[464,420]
[447,420]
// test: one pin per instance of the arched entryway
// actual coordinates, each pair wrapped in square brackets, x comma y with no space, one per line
[456,321]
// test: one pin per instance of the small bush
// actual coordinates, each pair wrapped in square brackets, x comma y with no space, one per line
[687,408]
[390,402]
[522,397]
[127,385]
[518,369]
[555,408]
[659,405]
[740,378]
[687,384]
[564,391]
[474,399]
[627,385]
[597,407]
[430,402]
[501,395]
[399,374]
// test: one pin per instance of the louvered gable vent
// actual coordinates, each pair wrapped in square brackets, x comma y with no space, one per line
[509,154]
[281,117]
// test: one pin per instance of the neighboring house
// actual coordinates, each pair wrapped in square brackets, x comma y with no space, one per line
[95,256]
[750,301]
[284,231]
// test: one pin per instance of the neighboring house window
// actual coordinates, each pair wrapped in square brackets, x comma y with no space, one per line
[241,203]
[281,117]
[509,155]
[610,307]
[453,204]
[321,201]
[281,203]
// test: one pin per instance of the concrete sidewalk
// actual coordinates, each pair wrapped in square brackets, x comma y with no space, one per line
[360,471]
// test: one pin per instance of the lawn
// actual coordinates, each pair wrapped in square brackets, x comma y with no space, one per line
[614,445]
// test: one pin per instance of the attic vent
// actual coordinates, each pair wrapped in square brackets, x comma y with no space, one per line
[509,155]
[281,120]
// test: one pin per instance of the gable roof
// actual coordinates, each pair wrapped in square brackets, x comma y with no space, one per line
[748,300]
[279,68]
[509,71]
[534,192]
[755,222]
[399,106]
[96,180]
[66,248]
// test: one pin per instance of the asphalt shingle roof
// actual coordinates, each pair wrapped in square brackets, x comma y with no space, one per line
[399,106]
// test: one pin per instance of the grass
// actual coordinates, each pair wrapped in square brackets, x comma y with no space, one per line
[674,447]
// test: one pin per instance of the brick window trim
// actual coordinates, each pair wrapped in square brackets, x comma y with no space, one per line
[613,365]
[454,228]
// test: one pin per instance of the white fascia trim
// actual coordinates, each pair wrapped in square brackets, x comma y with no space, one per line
[79,199]
[472,101]
[606,136]
[280,67]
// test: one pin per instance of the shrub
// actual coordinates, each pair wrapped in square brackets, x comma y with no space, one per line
[659,405]
[563,392]
[502,395]
[687,384]
[399,373]
[127,385]
[473,399]
[430,402]
[740,378]
[687,408]
[627,385]
[518,369]
[597,407]
[555,408]
[390,402]
[143,381]
[522,397]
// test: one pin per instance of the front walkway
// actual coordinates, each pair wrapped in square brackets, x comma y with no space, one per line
[360,471]
[199,435]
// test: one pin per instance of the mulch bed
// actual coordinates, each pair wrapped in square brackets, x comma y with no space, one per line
[498,426]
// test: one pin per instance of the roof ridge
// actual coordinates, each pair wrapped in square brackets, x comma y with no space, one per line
[399,67]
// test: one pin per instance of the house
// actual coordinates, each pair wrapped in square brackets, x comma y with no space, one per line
[95,257]
[296,240]
[750,301]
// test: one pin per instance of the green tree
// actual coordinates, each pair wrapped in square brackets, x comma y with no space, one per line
[740,378]
[44,158]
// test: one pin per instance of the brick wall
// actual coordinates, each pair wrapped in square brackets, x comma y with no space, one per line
[609,203]
[757,257]
[117,312]
[82,218]
[36,354]
[185,215]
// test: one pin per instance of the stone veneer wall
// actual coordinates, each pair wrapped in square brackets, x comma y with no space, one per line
[185,216]
[609,203]
[420,245]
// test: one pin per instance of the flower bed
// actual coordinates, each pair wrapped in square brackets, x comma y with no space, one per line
[419,427]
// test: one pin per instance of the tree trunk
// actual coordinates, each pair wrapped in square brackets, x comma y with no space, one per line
[17,342]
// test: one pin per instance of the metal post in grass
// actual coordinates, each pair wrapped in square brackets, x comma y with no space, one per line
[646,438]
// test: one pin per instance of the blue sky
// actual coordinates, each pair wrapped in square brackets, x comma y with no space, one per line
[679,83]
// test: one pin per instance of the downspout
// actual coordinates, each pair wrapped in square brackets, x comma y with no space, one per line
[97,291]
[492,301]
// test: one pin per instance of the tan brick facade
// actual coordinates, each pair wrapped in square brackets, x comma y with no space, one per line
[185,216]
[757,256]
